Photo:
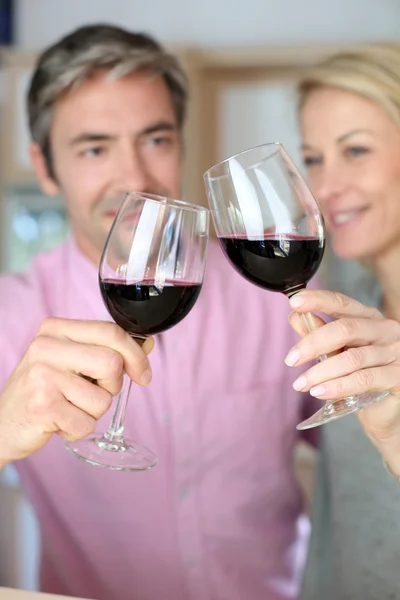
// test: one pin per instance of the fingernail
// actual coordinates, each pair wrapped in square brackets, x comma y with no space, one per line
[318,390]
[296,301]
[146,377]
[300,383]
[292,358]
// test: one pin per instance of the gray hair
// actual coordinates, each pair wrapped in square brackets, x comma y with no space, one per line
[79,55]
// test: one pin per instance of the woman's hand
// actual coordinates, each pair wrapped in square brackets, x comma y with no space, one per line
[364,356]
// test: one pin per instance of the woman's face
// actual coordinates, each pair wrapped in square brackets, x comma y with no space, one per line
[352,152]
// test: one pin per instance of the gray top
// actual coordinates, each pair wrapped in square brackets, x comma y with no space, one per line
[355,544]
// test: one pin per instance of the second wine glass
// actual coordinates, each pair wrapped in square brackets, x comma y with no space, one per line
[151,273]
[272,232]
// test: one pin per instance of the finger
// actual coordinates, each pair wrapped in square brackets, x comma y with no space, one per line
[97,363]
[298,324]
[49,411]
[73,423]
[103,333]
[345,363]
[376,379]
[341,333]
[48,389]
[88,397]
[332,303]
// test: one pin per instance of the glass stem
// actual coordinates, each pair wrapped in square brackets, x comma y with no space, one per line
[309,323]
[331,406]
[116,429]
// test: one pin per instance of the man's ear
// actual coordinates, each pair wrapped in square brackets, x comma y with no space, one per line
[47,183]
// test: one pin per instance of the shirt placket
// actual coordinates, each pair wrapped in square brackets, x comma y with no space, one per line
[187,495]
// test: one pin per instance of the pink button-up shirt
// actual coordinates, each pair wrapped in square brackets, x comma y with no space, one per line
[220,516]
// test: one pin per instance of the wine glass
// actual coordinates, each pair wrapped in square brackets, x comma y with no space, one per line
[272,232]
[150,274]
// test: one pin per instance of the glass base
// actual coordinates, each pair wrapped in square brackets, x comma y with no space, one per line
[119,454]
[340,408]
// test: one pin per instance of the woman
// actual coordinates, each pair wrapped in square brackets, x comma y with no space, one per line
[350,125]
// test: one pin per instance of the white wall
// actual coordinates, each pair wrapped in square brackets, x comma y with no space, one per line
[216,22]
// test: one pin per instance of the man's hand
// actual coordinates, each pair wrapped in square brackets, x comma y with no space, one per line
[66,382]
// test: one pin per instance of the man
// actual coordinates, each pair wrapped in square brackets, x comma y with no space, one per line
[221,515]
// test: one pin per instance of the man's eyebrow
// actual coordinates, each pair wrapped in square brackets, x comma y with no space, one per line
[91,137]
[160,126]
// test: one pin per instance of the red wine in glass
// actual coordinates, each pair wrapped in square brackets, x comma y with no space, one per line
[148,307]
[283,263]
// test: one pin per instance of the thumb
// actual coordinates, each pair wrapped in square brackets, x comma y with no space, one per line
[297,322]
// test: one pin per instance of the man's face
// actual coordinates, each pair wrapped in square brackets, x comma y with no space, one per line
[109,137]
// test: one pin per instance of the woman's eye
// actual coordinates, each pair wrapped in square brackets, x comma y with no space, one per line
[355,151]
[310,161]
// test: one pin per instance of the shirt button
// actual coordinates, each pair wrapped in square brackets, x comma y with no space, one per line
[192,564]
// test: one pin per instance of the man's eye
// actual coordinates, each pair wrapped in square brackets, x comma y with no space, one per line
[93,151]
[160,140]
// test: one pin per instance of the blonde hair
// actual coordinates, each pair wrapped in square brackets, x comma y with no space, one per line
[371,71]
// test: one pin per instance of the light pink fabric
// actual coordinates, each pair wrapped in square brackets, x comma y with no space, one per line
[219,518]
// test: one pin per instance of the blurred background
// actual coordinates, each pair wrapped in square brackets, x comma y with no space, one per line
[242,58]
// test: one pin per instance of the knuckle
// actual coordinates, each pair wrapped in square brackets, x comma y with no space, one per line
[40,344]
[43,395]
[340,300]
[355,358]
[39,373]
[115,363]
[349,327]
[40,403]
[364,379]
[115,333]
[48,325]
[339,388]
